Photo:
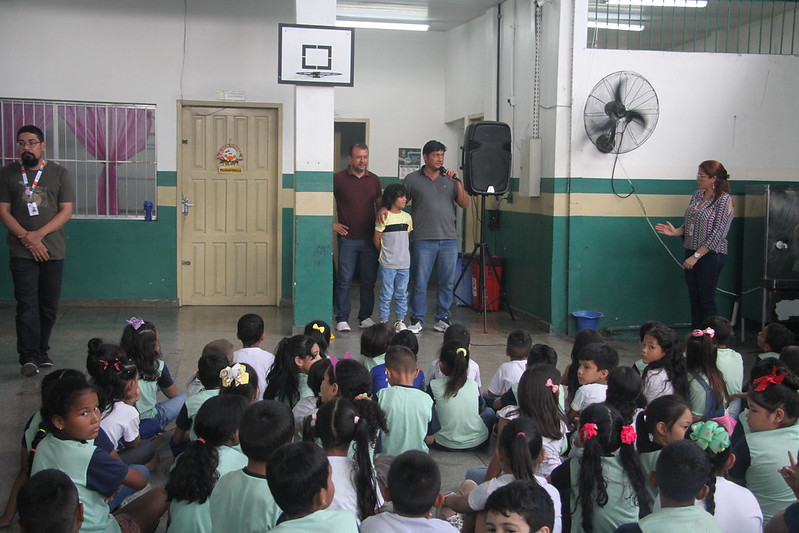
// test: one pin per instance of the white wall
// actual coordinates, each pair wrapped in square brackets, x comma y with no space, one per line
[96,50]
[132,52]
[739,109]
[399,87]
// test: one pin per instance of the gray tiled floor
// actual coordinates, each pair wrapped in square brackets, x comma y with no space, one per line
[183,333]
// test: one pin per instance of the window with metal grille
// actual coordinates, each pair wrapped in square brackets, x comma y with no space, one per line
[721,26]
[109,150]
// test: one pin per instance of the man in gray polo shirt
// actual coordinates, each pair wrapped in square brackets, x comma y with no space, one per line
[433,191]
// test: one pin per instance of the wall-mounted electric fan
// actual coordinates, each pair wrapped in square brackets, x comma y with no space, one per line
[621,112]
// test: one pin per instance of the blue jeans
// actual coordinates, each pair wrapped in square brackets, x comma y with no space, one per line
[355,255]
[443,254]
[124,491]
[167,411]
[37,289]
[393,282]
[702,281]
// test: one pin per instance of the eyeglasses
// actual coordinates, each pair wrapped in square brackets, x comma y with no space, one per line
[702,176]
[31,143]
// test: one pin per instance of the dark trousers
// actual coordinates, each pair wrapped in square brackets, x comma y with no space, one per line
[37,289]
[702,281]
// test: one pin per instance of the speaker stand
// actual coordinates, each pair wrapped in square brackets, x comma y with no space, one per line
[484,252]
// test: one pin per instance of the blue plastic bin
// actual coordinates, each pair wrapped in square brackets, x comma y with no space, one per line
[587,319]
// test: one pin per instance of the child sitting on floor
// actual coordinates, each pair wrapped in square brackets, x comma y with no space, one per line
[299,477]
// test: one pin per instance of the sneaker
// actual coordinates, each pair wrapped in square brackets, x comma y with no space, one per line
[45,362]
[29,369]
[416,326]
[343,326]
[441,325]
[399,325]
[366,323]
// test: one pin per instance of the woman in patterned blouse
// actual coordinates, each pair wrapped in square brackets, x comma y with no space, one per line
[704,232]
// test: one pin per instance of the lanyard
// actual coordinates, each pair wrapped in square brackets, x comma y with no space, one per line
[30,189]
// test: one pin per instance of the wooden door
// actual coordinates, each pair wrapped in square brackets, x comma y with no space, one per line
[229,232]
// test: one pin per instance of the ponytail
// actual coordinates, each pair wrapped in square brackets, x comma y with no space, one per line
[338,423]
[521,444]
[194,475]
[602,433]
[110,371]
[455,361]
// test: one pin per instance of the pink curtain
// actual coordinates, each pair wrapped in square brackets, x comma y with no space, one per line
[111,135]
[16,114]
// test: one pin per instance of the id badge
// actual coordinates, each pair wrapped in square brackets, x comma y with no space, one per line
[33,209]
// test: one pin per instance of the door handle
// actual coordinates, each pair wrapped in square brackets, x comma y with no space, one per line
[185,205]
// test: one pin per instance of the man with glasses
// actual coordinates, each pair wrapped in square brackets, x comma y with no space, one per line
[36,199]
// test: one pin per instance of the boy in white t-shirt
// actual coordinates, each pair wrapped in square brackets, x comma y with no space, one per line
[413,488]
[509,373]
[250,331]
[596,361]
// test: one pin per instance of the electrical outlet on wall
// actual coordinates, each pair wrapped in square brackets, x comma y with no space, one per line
[494,219]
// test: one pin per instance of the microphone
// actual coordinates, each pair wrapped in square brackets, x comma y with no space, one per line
[443,170]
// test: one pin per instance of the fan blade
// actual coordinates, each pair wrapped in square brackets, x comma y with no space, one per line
[635,116]
[617,92]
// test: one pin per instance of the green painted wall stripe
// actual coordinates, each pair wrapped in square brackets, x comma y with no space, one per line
[313,269]
[313,181]
[288,181]
[167,178]
[287,261]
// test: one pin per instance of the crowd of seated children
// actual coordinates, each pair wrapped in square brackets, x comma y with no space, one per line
[653,452]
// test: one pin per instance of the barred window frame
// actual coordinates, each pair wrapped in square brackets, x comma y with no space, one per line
[109,150]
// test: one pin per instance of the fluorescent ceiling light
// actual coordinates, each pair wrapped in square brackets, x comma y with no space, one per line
[382,25]
[383,11]
[659,3]
[621,26]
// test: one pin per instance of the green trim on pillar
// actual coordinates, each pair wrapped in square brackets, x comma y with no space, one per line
[313,269]
[167,178]
[287,261]
[288,181]
[313,181]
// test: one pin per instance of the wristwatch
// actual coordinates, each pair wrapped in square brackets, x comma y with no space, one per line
[697,255]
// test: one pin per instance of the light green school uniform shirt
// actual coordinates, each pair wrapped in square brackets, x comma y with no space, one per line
[242,502]
[731,365]
[334,521]
[621,507]
[671,519]
[459,415]
[408,413]
[371,362]
[193,404]
[149,394]
[768,452]
[195,517]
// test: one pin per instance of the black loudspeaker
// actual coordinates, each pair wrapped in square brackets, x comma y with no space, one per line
[486,158]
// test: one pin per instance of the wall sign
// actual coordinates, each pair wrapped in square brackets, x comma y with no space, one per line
[229,157]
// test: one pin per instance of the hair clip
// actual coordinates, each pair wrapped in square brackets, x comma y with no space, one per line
[320,329]
[362,396]
[136,323]
[553,386]
[763,382]
[200,439]
[521,433]
[710,434]
[234,374]
[356,419]
[106,363]
[628,434]
[313,417]
[710,332]
[461,351]
[588,431]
